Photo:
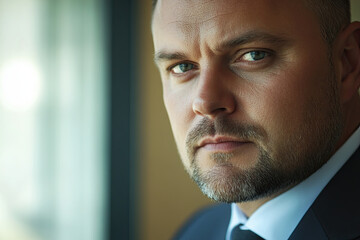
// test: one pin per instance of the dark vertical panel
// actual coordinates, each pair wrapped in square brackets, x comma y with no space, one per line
[122,199]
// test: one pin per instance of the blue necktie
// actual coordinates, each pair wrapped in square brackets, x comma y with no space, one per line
[239,234]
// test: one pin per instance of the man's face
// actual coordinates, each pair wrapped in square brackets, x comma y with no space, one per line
[250,93]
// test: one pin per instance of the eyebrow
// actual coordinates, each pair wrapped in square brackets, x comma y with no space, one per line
[249,37]
[254,36]
[167,56]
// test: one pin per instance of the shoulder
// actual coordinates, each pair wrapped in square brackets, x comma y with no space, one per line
[339,200]
[208,223]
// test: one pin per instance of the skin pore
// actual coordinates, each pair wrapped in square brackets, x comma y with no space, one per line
[255,103]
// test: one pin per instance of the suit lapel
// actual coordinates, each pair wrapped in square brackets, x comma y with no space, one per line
[309,228]
[335,214]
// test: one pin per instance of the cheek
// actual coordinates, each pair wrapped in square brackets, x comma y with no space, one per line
[180,114]
[284,104]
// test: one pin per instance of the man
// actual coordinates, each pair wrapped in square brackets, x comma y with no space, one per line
[263,102]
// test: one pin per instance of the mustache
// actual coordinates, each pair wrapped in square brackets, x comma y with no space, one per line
[222,126]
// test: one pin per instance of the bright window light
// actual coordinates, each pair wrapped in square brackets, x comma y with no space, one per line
[20,85]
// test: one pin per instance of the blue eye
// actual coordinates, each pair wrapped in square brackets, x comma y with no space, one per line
[255,56]
[182,67]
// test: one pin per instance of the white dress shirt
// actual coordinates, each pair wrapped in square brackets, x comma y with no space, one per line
[278,218]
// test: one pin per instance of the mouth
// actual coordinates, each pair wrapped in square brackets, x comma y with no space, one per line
[221,144]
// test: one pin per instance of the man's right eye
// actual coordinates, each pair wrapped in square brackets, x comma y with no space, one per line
[182,68]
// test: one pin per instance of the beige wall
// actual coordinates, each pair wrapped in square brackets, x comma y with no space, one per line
[167,194]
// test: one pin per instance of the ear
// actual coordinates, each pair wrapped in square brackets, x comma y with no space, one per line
[349,49]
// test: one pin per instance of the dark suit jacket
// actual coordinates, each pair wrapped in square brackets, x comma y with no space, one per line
[335,214]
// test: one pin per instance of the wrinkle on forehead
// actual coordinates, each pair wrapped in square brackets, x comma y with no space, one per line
[182,22]
[187,27]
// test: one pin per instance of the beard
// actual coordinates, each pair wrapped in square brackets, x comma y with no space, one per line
[295,159]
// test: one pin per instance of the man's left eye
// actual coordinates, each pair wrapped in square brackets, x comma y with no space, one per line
[254,56]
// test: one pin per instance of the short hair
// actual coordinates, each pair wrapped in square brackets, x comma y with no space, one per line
[332,15]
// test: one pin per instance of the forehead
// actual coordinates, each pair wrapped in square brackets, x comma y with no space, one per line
[213,20]
[203,11]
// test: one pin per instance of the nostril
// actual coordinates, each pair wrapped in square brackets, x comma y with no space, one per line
[222,110]
[211,109]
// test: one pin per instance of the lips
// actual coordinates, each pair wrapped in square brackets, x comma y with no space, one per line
[223,144]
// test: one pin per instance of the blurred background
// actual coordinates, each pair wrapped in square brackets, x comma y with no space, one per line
[86,150]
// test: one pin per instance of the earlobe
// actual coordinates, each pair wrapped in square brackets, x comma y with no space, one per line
[350,61]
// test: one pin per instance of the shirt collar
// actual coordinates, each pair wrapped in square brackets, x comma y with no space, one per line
[277,218]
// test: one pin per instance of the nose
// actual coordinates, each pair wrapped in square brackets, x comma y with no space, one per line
[214,95]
